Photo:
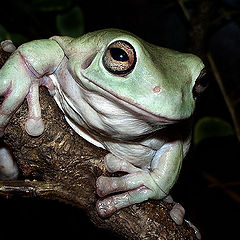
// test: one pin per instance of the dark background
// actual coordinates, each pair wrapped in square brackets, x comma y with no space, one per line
[209,183]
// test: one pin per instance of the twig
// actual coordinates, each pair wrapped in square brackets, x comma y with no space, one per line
[214,181]
[228,100]
[184,9]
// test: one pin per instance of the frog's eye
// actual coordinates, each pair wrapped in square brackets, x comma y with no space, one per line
[120,58]
[201,84]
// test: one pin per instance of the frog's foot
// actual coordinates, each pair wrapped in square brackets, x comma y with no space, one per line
[177,212]
[8,46]
[34,127]
[136,187]
[8,167]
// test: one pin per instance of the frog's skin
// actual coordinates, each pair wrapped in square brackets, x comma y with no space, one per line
[120,93]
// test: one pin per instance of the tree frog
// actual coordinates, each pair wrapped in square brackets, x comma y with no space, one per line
[118,92]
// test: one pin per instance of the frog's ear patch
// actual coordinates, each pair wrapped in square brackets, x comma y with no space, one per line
[65,44]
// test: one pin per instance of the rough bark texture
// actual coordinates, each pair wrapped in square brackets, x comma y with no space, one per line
[61,165]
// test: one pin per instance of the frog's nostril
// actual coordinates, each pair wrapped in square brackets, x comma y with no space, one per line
[87,62]
[157,89]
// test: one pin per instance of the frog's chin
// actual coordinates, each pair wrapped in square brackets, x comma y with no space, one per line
[145,114]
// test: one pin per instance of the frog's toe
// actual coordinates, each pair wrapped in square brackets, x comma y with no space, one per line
[115,164]
[8,167]
[177,213]
[8,46]
[108,185]
[34,127]
[106,207]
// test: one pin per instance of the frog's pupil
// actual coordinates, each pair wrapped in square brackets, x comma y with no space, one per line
[119,54]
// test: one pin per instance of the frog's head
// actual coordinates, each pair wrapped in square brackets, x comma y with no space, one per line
[157,83]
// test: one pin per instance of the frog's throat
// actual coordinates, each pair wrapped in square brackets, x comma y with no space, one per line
[82,132]
[133,106]
[58,97]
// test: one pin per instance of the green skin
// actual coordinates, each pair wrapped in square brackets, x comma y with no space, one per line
[135,115]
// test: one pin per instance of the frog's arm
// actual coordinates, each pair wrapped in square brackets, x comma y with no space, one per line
[21,76]
[139,185]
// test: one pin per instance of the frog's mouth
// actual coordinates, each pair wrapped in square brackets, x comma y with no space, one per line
[134,107]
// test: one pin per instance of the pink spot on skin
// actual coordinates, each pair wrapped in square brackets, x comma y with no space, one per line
[157,89]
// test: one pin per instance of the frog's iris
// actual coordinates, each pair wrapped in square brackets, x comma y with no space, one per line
[120,58]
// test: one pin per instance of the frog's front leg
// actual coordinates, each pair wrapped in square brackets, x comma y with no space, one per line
[14,91]
[139,185]
[21,76]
